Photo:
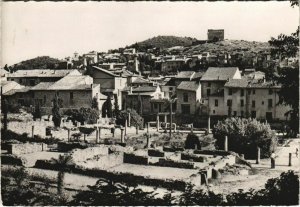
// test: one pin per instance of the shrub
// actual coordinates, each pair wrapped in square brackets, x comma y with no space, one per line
[82,115]
[191,141]
[244,136]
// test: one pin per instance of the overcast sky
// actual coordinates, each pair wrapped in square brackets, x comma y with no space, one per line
[59,29]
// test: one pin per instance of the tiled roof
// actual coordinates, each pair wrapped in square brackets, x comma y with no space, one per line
[219,73]
[237,83]
[198,75]
[72,83]
[141,80]
[144,89]
[41,73]
[105,71]
[42,86]
[185,74]
[188,85]
[13,91]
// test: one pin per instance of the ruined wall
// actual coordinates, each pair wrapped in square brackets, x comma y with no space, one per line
[18,149]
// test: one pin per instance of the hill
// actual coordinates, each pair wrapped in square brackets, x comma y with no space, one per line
[42,62]
[229,46]
[165,42]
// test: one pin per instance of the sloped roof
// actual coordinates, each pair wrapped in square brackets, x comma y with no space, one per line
[188,85]
[185,74]
[13,91]
[237,83]
[72,83]
[198,75]
[41,73]
[144,89]
[42,86]
[219,73]
[105,71]
[141,80]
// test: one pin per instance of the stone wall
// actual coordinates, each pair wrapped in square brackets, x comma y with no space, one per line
[81,155]
[19,149]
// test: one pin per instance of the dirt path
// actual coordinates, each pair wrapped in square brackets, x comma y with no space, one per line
[232,183]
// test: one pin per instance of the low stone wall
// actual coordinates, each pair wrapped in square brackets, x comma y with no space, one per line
[135,159]
[213,152]
[81,155]
[155,153]
[176,164]
[103,162]
[26,148]
[193,157]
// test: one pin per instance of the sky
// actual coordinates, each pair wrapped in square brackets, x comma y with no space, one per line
[31,29]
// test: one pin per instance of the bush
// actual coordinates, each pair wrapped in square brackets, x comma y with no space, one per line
[244,136]
[82,115]
[191,141]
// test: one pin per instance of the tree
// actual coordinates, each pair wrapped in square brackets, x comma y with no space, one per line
[62,162]
[135,119]
[286,46]
[95,103]
[139,106]
[37,112]
[116,107]
[6,68]
[5,112]
[192,140]
[55,111]
[107,108]
[244,136]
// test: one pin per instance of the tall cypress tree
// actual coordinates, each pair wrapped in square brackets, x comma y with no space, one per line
[55,111]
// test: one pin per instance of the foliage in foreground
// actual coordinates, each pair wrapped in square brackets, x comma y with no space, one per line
[245,135]
[89,115]
[16,190]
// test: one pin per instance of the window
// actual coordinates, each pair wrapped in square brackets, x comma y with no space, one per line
[209,84]
[214,111]
[242,102]
[171,89]
[242,113]
[253,114]
[185,97]
[230,91]
[71,95]
[270,91]
[269,116]
[234,113]
[185,109]
[12,79]
[155,106]
[253,103]
[229,102]
[262,103]
[253,92]
[208,92]
[242,92]
[216,103]
[270,102]
[20,81]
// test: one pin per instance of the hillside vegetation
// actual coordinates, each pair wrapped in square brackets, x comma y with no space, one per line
[43,62]
[165,42]
[230,46]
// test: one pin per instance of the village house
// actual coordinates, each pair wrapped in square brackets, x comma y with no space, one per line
[111,83]
[188,97]
[141,98]
[75,91]
[35,76]
[172,65]
[248,96]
